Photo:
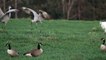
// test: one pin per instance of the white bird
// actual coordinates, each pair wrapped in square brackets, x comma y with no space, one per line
[4,17]
[37,17]
[103,25]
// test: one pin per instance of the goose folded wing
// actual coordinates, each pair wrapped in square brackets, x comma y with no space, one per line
[36,53]
[28,52]
[12,53]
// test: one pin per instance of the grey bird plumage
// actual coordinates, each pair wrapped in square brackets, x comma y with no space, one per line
[36,17]
[4,17]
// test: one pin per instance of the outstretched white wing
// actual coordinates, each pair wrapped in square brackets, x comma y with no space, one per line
[12,10]
[4,18]
[45,14]
[28,10]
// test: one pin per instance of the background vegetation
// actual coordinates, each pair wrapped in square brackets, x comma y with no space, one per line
[64,9]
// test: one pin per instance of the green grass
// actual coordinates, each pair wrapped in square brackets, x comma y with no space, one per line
[62,39]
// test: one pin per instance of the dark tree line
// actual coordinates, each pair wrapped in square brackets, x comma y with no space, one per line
[62,9]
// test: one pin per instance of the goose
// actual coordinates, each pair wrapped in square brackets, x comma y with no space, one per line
[45,14]
[36,17]
[11,52]
[103,46]
[35,52]
[103,25]
[4,17]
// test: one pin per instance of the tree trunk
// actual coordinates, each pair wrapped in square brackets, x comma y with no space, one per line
[63,6]
[4,5]
[79,12]
[94,9]
[16,8]
[70,5]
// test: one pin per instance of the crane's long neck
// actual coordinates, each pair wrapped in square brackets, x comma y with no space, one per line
[34,14]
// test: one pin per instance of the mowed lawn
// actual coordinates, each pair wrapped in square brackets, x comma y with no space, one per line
[62,39]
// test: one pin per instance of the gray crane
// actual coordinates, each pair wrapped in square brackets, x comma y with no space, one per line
[4,17]
[36,17]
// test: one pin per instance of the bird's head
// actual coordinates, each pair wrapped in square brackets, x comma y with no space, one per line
[39,45]
[25,9]
[102,39]
[8,43]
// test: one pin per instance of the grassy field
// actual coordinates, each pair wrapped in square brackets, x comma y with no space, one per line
[62,39]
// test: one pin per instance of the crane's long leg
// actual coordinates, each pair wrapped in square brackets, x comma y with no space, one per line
[5,30]
[31,27]
[40,21]
[3,27]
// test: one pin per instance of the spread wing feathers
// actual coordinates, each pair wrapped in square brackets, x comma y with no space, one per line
[45,14]
[1,12]
[12,10]
[37,17]
[26,10]
[1,15]
[5,17]
[29,10]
